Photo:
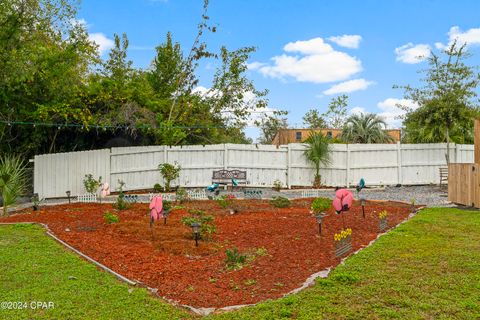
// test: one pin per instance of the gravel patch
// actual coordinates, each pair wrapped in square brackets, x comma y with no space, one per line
[429,195]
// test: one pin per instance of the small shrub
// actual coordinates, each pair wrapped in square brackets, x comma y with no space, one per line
[91,184]
[169,173]
[158,188]
[250,282]
[280,202]
[260,252]
[121,204]
[111,218]
[277,185]
[167,205]
[182,195]
[235,260]
[207,227]
[320,205]
[226,201]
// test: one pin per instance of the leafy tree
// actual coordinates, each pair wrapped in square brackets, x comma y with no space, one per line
[336,115]
[166,68]
[365,128]
[446,99]
[317,152]
[51,73]
[269,125]
[43,65]
[314,120]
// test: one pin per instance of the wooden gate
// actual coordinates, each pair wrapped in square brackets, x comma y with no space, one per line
[464,178]
[464,184]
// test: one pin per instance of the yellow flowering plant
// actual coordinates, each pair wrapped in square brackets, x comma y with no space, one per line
[343,234]
[383,214]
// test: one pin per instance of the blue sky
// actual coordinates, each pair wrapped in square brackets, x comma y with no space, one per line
[307,51]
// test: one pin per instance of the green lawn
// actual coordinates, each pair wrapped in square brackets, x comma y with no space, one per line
[427,268]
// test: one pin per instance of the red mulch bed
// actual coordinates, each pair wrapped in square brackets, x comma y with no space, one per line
[198,276]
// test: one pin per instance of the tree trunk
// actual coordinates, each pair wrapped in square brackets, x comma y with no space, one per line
[447,155]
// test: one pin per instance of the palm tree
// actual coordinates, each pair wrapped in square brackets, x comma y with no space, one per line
[318,152]
[365,128]
[12,179]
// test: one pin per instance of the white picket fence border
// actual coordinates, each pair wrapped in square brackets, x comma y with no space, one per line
[311,193]
[87,198]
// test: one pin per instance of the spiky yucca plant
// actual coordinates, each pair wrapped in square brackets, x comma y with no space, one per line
[317,152]
[13,179]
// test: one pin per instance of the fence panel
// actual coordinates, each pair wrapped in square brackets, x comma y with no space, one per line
[54,174]
[378,164]
[264,163]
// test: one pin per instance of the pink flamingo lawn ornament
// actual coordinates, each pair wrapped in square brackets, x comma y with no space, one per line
[343,200]
[105,191]
[156,211]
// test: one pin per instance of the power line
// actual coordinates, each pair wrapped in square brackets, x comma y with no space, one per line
[105,127]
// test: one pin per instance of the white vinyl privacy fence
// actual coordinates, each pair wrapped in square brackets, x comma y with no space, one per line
[378,164]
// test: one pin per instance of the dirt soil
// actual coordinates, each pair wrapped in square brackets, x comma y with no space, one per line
[283,246]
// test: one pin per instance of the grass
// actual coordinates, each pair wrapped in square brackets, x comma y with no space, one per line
[428,268]
[33,267]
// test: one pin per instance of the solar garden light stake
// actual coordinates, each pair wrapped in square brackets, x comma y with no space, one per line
[35,201]
[319,217]
[196,231]
[165,216]
[68,195]
[362,202]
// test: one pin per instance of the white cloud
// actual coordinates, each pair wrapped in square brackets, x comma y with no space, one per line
[309,47]
[393,114]
[357,110]
[101,41]
[411,53]
[255,65]
[316,62]
[470,37]
[348,86]
[347,41]
[439,45]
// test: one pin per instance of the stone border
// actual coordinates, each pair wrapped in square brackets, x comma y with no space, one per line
[204,311]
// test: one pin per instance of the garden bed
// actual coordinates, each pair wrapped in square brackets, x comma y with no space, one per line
[283,246]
